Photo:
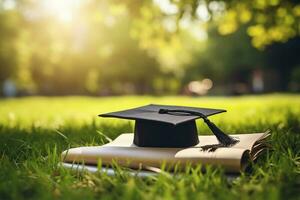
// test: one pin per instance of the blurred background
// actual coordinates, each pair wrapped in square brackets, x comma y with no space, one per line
[155,47]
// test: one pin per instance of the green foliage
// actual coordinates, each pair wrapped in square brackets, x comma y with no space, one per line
[139,47]
[34,131]
[224,56]
[268,21]
[92,53]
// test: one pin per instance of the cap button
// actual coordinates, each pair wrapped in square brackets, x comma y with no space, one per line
[163,111]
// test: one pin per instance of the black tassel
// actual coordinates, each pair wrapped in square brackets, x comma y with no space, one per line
[223,138]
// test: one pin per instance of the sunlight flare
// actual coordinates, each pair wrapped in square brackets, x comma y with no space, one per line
[62,10]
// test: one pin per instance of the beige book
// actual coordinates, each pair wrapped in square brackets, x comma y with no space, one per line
[123,152]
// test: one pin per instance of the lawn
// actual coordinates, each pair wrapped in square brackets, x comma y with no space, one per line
[35,130]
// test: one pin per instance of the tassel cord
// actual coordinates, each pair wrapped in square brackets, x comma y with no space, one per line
[223,138]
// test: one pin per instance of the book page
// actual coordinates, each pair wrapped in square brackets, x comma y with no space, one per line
[125,153]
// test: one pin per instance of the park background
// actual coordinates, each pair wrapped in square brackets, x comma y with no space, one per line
[63,62]
[105,48]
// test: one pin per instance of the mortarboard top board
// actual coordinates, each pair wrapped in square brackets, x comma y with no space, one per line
[169,126]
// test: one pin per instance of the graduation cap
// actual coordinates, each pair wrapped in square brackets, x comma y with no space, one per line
[170,126]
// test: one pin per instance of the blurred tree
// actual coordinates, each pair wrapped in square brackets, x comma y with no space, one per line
[226,60]
[92,54]
[267,21]
[110,47]
[284,57]
[9,22]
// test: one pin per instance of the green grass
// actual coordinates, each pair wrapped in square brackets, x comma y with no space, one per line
[33,132]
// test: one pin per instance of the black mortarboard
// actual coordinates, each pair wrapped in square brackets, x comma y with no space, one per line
[169,126]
